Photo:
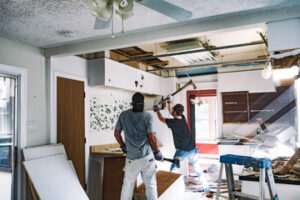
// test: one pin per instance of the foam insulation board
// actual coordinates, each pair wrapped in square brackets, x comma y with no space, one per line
[54,178]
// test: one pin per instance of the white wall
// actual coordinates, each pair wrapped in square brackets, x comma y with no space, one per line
[77,67]
[31,58]
[204,82]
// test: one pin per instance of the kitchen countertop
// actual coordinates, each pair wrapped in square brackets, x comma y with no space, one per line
[107,150]
[108,153]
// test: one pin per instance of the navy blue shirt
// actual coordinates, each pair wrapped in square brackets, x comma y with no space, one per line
[182,137]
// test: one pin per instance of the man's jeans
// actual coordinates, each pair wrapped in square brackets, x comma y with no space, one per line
[193,158]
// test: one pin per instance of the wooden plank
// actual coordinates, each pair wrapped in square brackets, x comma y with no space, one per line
[35,195]
[32,153]
[168,184]
[53,178]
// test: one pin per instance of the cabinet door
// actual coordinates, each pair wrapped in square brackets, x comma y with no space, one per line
[113,178]
[272,105]
[235,107]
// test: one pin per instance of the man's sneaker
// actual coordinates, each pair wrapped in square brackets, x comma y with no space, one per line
[209,194]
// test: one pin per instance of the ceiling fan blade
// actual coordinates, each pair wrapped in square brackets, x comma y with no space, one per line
[101,24]
[167,9]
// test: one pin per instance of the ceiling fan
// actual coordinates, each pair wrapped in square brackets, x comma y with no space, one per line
[103,10]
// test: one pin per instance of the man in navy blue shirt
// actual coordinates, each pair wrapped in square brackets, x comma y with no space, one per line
[183,141]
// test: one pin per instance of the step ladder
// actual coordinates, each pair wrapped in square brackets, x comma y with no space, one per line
[265,172]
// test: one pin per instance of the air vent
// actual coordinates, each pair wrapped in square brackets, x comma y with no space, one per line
[193,58]
[183,46]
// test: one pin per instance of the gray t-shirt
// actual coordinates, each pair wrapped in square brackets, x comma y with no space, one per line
[136,125]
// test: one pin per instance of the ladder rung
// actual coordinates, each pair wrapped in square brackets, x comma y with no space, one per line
[240,194]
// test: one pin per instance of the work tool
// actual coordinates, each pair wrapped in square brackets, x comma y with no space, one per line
[263,164]
[180,89]
[176,161]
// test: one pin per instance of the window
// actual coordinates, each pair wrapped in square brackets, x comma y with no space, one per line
[205,118]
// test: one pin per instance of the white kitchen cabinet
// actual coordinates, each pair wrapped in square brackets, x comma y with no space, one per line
[110,73]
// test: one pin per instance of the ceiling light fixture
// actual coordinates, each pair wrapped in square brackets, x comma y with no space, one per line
[268,70]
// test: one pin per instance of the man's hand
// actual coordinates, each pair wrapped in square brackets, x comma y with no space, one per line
[158,156]
[169,99]
[123,147]
[156,108]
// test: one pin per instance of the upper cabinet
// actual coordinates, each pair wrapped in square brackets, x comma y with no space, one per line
[110,73]
[251,81]
[235,107]
[243,107]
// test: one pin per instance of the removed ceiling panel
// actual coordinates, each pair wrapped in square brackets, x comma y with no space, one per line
[54,178]
[37,152]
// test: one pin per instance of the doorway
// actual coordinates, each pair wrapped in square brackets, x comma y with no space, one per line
[202,114]
[8,136]
[202,119]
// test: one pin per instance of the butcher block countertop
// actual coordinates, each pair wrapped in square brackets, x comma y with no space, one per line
[107,150]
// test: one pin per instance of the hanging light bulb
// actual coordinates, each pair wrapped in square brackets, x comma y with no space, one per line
[267,71]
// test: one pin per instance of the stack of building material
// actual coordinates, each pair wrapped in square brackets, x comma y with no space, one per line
[51,174]
[169,186]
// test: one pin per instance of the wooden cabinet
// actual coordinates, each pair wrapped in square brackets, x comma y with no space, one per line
[235,107]
[272,105]
[243,107]
[105,177]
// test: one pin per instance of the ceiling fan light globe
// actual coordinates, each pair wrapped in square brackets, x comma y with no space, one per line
[122,7]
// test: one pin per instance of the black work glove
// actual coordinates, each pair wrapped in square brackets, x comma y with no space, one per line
[123,147]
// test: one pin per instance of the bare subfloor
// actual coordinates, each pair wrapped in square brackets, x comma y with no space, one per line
[5,185]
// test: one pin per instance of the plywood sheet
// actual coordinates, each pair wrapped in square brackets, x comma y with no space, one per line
[167,184]
[53,178]
[37,152]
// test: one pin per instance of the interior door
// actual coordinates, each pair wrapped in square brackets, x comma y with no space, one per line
[70,122]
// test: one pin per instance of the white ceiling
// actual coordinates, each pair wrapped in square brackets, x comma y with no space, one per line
[42,23]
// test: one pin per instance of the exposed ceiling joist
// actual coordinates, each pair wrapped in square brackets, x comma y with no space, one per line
[136,52]
[193,51]
[256,60]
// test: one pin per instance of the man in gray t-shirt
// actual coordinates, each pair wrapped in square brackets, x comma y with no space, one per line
[140,140]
